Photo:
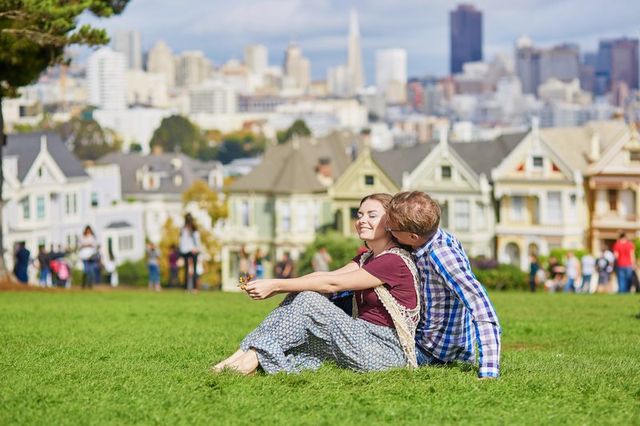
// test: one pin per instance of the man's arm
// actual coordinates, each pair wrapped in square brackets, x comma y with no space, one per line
[453,266]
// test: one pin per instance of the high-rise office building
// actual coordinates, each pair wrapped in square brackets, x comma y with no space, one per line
[128,43]
[391,74]
[535,66]
[527,65]
[617,64]
[161,61]
[355,71]
[256,58]
[192,67]
[466,36]
[106,82]
[297,68]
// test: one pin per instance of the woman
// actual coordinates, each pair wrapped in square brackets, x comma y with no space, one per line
[89,256]
[307,329]
[189,250]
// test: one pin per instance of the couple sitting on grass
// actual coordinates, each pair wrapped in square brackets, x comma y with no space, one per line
[423,307]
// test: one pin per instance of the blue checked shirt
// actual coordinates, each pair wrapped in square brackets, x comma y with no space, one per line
[457,311]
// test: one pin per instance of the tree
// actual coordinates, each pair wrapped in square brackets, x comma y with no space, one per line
[33,36]
[177,133]
[298,128]
[87,139]
[207,199]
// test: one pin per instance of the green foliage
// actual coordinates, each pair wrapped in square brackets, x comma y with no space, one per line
[241,144]
[298,128]
[503,277]
[636,243]
[138,357]
[177,133]
[341,249]
[135,147]
[134,273]
[87,139]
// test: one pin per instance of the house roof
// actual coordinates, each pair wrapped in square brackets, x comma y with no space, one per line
[573,144]
[484,156]
[397,161]
[167,166]
[291,167]
[26,146]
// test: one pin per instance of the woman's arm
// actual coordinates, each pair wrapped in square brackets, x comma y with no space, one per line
[358,279]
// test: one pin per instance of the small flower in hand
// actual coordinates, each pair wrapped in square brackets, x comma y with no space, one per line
[244,279]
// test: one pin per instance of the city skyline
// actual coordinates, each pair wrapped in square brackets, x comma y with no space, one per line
[222,30]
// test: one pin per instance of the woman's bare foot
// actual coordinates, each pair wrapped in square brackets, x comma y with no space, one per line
[226,362]
[247,364]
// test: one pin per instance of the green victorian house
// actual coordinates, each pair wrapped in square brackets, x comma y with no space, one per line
[284,201]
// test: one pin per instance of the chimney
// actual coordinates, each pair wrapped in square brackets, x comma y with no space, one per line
[444,134]
[535,127]
[594,153]
[323,171]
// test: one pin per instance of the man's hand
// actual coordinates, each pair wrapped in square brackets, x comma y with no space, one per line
[261,289]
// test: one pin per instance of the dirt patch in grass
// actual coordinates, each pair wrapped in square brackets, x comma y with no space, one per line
[7,284]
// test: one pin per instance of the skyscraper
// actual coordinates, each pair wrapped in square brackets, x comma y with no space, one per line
[354,56]
[617,64]
[256,58]
[128,43]
[466,36]
[391,74]
[161,61]
[297,68]
[106,79]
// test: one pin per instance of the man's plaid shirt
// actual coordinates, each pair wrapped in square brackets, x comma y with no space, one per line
[457,311]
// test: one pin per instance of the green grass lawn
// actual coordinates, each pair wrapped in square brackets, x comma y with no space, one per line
[137,357]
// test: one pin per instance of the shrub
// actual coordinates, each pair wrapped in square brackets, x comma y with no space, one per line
[503,277]
[342,249]
[133,273]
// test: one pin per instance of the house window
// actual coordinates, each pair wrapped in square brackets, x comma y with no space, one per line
[244,212]
[462,215]
[26,208]
[634,156]
[612,195]
[39,171]
[368,180]
[125,243]
[40,207]
[537,162]
[353,212]
[444,215]
[446,172]
[286,217]
[554,207]
[94,199]
[71,203]
[517,208]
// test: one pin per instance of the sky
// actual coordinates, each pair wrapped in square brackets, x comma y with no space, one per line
[222,28]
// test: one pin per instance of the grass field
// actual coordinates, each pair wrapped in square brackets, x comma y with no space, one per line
[136,357]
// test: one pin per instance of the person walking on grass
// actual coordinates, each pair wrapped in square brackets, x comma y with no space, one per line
[307,329]
[189,250]
[624,251]
[90,257]
[573,272]
[153,265]
[457,312]
[22,257]
[44,258]
[588,269]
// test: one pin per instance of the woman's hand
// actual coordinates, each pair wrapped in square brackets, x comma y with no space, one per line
[261,289]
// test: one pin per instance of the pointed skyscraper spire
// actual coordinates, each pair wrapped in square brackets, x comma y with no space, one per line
[354,55]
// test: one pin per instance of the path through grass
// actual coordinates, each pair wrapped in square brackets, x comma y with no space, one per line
[136,357]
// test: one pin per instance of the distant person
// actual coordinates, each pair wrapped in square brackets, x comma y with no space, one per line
[89,256]
[284,268]
[173,266]
[624,251]
[21,262]
[153,265]
[258,262]
[245,265]
[588,269]
[189,247]
[556,274]
[534,267]
[603,267]
[44,268]
[572,271]
[321,260]
[111,269]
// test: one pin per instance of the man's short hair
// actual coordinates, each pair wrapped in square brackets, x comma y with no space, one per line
[414,212]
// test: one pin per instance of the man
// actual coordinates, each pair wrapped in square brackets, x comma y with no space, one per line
[624,251]
[457,312]
[321,260]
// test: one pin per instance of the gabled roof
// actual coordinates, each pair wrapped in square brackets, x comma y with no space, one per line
[291,167]
[484,156]
[573,144]
[167,165]
[397,161]
[26,146]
